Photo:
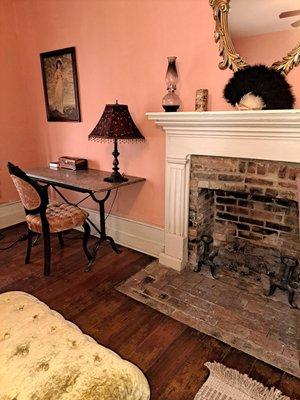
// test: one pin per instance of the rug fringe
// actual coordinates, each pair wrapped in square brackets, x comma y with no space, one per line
[244,383]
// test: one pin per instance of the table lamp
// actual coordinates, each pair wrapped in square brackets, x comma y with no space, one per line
[116,124]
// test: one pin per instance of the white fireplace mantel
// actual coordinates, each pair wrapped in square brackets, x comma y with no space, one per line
[269,135]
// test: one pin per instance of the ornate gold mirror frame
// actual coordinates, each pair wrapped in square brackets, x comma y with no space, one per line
[231,59]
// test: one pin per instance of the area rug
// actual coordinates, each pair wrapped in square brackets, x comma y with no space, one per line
[228,384]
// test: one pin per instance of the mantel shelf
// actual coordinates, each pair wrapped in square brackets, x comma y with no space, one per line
[264,115]
[269,125]
[277,124]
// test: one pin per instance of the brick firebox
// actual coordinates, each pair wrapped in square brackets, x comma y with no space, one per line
[252,202]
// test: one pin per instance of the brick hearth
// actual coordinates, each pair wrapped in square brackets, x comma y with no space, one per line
[231,308]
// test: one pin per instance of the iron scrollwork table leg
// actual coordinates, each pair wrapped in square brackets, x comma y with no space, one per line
[102,231]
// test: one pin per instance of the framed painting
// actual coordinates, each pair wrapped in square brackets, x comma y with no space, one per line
[60,82]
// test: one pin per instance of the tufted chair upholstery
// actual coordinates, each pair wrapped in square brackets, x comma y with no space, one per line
[60,216]
[45,218]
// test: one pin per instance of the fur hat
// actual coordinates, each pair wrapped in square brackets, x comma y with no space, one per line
[262,82]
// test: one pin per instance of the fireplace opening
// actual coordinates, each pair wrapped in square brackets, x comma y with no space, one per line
[249,210]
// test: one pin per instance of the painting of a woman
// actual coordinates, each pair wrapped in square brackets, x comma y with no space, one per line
[60,85]
[59,88]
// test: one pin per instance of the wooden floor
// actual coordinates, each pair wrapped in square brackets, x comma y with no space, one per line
[169,353]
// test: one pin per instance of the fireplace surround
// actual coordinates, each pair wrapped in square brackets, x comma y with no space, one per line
[250,135]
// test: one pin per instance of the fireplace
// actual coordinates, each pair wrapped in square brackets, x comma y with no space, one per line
[247,136]
[230,176]
[249,209]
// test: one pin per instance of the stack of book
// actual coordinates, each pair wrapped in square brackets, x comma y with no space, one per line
[54,164]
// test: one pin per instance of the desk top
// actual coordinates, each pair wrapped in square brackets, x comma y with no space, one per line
[88,180]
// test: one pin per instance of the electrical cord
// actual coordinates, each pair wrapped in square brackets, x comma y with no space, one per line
[22,238]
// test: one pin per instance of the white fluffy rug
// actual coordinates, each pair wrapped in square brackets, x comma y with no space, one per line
[228,384]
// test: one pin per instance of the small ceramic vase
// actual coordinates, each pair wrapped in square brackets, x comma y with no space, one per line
[201,100]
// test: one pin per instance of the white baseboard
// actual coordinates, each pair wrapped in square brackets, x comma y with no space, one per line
[11,214]
[136,235]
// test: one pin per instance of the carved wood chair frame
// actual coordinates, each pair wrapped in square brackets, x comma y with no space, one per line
[41,210]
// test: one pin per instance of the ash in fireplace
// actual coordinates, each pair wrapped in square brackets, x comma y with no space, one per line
[265,264]
[246,259]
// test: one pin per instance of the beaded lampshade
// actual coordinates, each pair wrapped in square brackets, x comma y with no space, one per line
[116,124]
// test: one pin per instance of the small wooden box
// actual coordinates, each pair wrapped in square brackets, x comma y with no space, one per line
[72,163]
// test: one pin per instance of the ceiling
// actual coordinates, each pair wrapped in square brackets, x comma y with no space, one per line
[255,17]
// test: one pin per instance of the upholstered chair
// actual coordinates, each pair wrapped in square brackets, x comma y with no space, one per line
[45,218]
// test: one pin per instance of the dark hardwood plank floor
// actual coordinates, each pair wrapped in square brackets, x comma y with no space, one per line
[171,355]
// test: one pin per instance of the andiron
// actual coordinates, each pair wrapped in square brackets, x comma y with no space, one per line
[290,264]
[207,257]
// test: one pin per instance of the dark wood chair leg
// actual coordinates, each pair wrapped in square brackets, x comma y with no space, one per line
[86,236]
[47,252]
[29,246]
[61,240]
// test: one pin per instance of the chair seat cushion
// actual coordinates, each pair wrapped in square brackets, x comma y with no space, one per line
[45,357]
[60,216]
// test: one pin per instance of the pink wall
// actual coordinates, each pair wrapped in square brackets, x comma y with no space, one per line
[121,46]
[18,141]
[271,47]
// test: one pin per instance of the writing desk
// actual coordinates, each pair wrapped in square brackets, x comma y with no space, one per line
[90,182]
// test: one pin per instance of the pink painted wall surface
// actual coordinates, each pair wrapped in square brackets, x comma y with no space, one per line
[271,47]
[17,139]
[122,48]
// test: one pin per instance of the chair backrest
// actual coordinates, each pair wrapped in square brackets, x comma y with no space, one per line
[31,193]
